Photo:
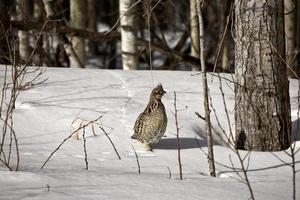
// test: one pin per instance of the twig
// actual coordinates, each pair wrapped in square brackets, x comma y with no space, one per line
[85,152]
[17,147]
[212,127]
[281,160]
[118,20]
[170,173]
[6,165]
[137,159]
[225,108]
[231,144]
[177,138]
[111,142]
[10,147]
[290,68]
[81,127]
[4,89]
[241,179]
[222,38]
[200,116]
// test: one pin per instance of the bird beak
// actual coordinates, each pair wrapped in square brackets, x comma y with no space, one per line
[164,92]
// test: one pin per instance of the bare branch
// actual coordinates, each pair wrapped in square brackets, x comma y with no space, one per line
[177,138]
[222,38]
[84,149]
[137,159]
[170,173]
[111,142]
[81,127]
[200,116]
[6,165]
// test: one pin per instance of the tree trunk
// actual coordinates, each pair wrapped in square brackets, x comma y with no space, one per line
[38,15]
[297,63]
[262,105]
[49,8]
[113,43]
[23,12]
[128,35]
[195,48]
[4,26]
[290,33]
[210,151]
[92,23]
[78,10]
[224,64]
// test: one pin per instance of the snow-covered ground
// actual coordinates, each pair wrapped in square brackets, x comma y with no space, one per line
[44,115]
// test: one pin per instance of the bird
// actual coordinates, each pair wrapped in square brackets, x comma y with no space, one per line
[151,124]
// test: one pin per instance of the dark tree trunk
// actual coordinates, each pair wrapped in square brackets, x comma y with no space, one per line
[262,110]
[92,24]
[4,25]
[23,12]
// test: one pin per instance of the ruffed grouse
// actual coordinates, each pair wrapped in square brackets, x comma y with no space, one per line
[151,124]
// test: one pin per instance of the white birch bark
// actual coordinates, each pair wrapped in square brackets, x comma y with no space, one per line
[78,10]
[195,47]
[128,35]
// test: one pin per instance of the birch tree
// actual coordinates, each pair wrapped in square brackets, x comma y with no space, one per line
[78,10]
[128,34]
[262,108]
[195,48]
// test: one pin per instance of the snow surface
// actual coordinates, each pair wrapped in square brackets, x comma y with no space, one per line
[44,116]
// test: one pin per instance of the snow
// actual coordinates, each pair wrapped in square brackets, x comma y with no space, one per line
[44,116]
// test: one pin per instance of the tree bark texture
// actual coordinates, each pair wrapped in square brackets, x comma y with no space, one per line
[78,20]
[297,63]
[195,48]
[290,33]
[262,108]
[128,35]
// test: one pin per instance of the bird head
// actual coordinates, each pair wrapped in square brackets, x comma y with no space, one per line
[157,92]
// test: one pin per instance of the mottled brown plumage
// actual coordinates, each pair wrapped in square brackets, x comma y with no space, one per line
[151,124]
